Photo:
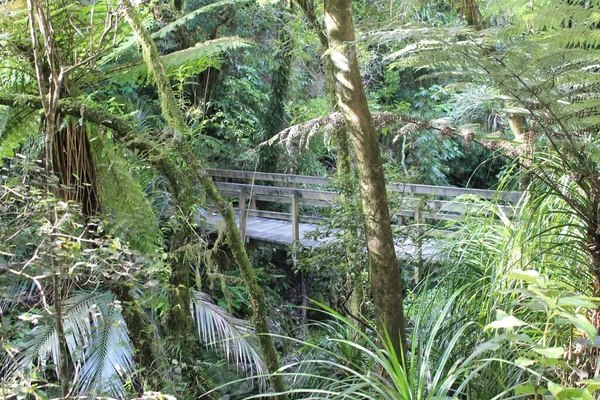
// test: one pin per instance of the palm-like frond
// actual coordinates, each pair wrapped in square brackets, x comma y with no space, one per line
[110,356]
[14,292]
[226,334]
[97,340]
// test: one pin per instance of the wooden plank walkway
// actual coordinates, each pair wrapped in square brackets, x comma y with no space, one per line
[279,232]
[420,205]
[272,230]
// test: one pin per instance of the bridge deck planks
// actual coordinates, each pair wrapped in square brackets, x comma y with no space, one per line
[272,231]
[279,232]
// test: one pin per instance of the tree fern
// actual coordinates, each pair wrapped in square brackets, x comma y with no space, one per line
[129,43]
[131,214]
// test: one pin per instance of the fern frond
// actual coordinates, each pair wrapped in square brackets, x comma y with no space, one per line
[130,42]
[97,340]
[130,211]
[226,334]
[169,28]
[197,59]
[545,65]
[15,127]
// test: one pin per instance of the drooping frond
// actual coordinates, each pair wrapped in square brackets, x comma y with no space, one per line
[301,134]
[196,59]
[544,65]
[128,207]
[226,334]
[15,127]
[164,31]
[169,28]
[109,357]
[97,341]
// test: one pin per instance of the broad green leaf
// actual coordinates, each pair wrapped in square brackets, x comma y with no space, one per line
[529,275]
[503,320]
[583,324]
[576,301]
[529,389]
[567,393]
[591,384]
[550,352]
[524,362]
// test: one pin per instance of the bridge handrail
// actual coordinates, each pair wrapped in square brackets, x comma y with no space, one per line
[449,191]
[270,177]
[418,208]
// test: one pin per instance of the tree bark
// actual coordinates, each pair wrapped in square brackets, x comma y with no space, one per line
[470,10]
[352,101]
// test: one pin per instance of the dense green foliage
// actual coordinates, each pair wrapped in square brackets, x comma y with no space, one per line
[102,234]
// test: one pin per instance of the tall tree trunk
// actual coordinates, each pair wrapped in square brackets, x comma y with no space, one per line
[352,101]
[187,198]
[64,376]
[345,176]
[141,334]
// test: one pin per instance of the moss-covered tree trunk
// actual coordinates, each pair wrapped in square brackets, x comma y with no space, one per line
[352,101]
[186,198]
[345,177]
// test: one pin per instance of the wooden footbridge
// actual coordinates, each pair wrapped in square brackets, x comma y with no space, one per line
[253,192]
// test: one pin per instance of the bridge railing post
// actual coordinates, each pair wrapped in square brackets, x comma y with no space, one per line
[295,212]
[419,221]
[243,214]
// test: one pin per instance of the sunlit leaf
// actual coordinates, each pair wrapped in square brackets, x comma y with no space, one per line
[550,352]
[505,321]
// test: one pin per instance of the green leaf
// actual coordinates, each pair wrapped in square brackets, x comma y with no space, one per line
[529,275]
[583,324]
[550,352]
[592,384]
[524,362]
[503,320]
[526,389]
[565,393]
[576,301]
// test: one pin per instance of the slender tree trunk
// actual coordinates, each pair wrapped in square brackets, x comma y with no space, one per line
[385,275]
[188,198]
[470,10]
[63,355]
[141,334]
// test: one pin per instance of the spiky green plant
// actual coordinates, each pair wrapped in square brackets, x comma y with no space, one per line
[348,363]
